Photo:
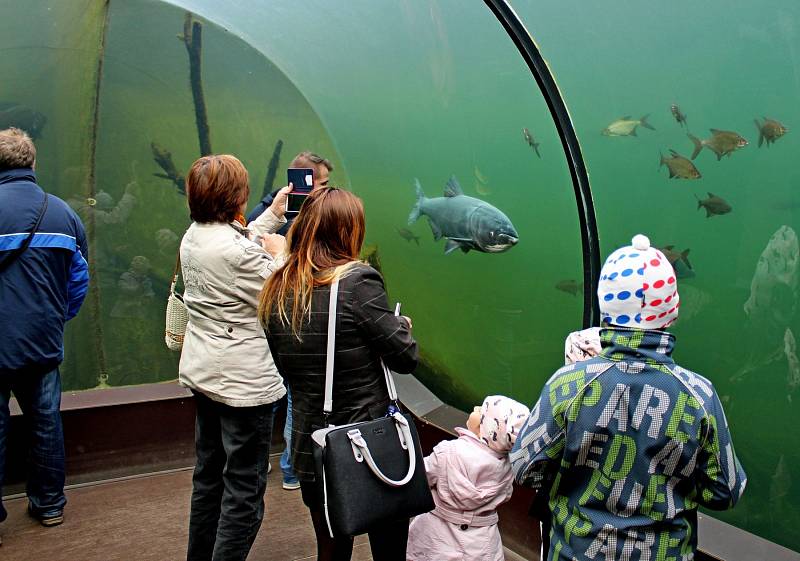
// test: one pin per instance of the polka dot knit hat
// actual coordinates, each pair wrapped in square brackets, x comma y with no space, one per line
[638,288]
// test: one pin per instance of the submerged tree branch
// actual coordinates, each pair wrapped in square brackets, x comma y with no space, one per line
[193,40]
[163,158]
[272,169]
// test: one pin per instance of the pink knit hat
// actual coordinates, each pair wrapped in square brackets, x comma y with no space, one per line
[501,420]
[638,287]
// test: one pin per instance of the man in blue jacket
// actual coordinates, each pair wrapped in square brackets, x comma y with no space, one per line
[628,443]
[44,277]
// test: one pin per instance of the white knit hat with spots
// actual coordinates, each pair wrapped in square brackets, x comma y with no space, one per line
[638,287]
[501,420]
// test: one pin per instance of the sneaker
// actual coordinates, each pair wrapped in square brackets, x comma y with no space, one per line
[50,519]
[291,485]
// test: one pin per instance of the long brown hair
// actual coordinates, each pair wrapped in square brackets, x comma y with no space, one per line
[323,242]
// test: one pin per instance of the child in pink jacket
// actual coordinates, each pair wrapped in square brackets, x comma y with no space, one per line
[469,477]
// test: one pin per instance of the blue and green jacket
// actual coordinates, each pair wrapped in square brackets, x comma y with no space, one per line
[46,285]
[628,444]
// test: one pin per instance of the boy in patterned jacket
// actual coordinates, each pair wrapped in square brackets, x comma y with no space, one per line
[628,443]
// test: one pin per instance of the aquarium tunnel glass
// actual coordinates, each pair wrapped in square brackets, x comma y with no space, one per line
[425,92]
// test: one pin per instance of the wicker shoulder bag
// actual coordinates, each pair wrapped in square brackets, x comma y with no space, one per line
[177,316]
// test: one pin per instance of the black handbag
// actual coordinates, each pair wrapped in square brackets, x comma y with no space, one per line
[370,473]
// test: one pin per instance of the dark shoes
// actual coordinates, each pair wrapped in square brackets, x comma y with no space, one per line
[53,518]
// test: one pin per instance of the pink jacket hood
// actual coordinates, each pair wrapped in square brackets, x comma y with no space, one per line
[468,475]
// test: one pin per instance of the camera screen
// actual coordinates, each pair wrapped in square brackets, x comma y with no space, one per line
[296,201]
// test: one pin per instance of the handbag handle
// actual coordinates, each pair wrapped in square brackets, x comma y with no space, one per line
[327,404]
[361,451]
[176,273]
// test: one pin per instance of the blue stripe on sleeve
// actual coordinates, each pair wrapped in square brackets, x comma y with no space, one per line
[78,284]
[9,242]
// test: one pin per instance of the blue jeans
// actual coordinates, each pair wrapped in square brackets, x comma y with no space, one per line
[230,477]
[286,457]
[39,397]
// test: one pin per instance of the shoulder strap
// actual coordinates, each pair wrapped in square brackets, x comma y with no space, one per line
[327,405]
[11,256]
[177,271]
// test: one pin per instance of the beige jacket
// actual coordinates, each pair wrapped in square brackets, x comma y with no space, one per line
[225,353]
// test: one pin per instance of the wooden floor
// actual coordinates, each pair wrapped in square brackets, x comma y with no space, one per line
[146,519]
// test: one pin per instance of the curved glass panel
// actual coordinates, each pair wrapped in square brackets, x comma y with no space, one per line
[738,270]
[134,216]
[441,91]
[394,94]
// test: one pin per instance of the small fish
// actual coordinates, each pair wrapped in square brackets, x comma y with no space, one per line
[680,117]
[407,235]
[22,117]
[481,182]
[679,261]
[714,205]
[466,222]
[570,286]
[770,130]
[531,141]
[625,126]
[722,143]
[679,167]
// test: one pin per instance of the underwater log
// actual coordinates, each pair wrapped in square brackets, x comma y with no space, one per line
[272,169]
[163,158]
[193,40]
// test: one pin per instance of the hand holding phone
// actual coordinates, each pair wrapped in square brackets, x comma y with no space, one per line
[301,180]
[278,206]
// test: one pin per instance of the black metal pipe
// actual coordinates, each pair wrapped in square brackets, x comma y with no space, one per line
[569,141]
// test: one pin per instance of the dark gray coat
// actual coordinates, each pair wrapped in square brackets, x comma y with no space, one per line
[366,331]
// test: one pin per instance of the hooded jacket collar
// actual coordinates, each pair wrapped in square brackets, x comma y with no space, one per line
[624,344]
[9,175]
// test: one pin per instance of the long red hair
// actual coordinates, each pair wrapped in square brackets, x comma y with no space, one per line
[323,242]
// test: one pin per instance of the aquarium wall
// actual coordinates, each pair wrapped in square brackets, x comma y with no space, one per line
[407,96]
[732,232]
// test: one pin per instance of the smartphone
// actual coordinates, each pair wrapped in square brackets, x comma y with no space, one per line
[302,180]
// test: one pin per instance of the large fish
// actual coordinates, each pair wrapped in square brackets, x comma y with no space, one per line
[722,143]
[679,167]
[625,126]
[714,205]
[22,117]
[773,290]
[466,222]
[770,130]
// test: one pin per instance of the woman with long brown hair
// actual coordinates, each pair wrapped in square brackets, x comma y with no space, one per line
[323,244]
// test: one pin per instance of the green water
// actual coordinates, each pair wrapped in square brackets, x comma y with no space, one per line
[393,91]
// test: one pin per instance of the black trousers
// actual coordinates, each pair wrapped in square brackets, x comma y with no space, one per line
[230,478]
[387,543]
